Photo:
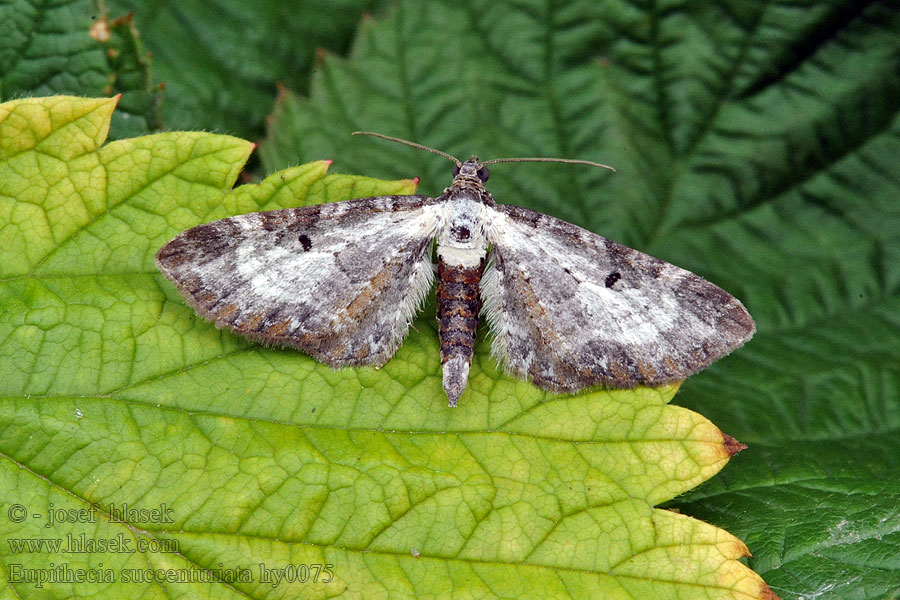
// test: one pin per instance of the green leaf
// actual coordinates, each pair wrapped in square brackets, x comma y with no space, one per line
[259,469]
[73,47]
[221,60]
[755,145]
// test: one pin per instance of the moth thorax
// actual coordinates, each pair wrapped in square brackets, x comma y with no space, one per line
[458,305]
[462,240]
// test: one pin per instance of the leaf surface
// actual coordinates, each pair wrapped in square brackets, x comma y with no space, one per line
[261,473]
[223,60]
[75,47]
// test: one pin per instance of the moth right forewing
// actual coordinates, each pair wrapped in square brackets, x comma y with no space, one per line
[570,309]
[339,281]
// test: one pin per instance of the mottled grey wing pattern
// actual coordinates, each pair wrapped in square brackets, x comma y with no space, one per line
[570,309]
[338,281]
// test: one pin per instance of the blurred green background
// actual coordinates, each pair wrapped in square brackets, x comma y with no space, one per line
[756,144]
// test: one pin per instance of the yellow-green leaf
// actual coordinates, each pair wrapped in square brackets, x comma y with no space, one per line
[263,474]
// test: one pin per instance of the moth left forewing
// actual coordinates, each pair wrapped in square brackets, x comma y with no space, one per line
[339,281]
[570,309]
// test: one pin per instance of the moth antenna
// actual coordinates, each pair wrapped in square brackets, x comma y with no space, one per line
[574,161]
[408,143]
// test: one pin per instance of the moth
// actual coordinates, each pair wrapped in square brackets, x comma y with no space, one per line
[342,282]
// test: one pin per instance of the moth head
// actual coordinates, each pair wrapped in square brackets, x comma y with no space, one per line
[472,169]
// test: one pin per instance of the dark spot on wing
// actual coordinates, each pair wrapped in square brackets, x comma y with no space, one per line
[305,242]
[612,278]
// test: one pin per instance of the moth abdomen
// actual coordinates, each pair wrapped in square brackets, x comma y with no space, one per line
[458,306]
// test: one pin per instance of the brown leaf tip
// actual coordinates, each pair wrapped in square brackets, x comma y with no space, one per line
[732,446]
[766,593]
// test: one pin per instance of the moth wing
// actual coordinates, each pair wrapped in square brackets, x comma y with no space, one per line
[338,281]
[571,309]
